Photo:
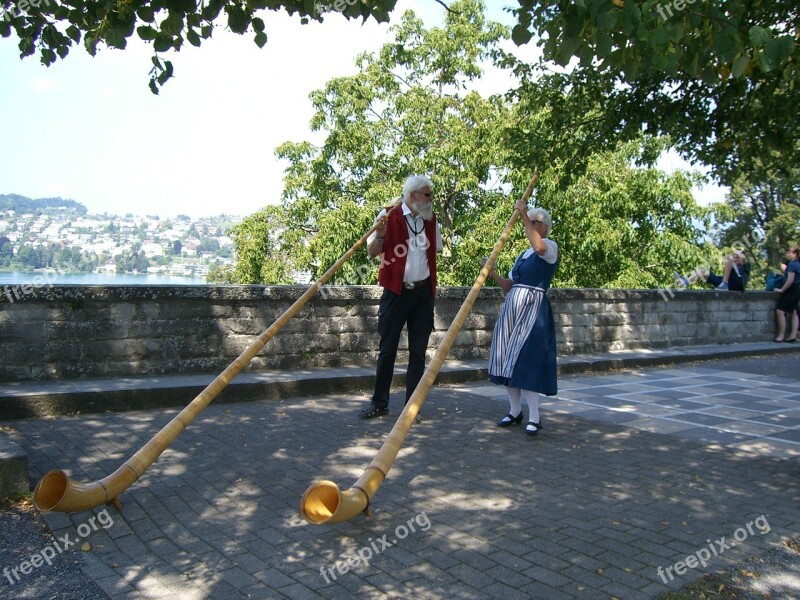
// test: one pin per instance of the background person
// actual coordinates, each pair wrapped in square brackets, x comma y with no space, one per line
[407,242]
[523,354]
[786,307]
[735,274]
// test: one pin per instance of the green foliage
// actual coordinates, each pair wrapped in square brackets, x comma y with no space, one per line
[23,204]
[51,28]
[220,274]
[50,256]
[407,111]
[721,78]
[6,251]
[265,245]
[766,213]
[619,222]
[621,226]
[706,40]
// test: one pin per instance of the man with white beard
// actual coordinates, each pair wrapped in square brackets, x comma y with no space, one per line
[407,242]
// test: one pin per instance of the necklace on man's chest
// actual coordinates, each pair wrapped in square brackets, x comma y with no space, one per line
[412,225]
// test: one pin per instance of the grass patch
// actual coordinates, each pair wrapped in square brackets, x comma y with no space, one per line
[21,499]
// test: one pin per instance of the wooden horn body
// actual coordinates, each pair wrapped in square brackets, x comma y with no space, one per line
[323,502]
[57,492]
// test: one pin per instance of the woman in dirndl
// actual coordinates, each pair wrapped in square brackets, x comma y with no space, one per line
[523,354]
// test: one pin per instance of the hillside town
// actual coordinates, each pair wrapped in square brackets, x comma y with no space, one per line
[37,235]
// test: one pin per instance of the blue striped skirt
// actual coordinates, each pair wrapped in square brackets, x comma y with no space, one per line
[523,350]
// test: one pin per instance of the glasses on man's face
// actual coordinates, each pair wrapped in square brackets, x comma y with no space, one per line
[426,194]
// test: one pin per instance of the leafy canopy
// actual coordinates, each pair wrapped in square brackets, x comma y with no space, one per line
[721,78]
[408,111]
[53,27]
[766,212]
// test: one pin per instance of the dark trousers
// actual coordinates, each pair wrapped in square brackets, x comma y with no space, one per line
[413,308]
[735,283]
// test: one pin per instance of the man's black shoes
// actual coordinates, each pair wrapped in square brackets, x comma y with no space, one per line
[373,411]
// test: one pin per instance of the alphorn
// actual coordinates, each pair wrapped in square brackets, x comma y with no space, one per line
[57,492]
[323,502]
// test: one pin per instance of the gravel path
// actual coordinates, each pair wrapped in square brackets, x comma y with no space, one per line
[23,535]
[774,575]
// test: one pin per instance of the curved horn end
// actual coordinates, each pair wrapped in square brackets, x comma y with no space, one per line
[50,490]
[320,502]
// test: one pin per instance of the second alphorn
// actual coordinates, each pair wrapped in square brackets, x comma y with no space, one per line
[323,502]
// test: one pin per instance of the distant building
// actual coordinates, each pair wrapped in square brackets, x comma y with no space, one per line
[151,249]
[110,266]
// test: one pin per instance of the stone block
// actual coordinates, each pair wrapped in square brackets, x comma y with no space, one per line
[22,331]
[89,330]
[78,332]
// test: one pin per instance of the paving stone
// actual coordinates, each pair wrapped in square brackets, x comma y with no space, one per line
[591,503]
[547,577]
[470,576]
[132,546]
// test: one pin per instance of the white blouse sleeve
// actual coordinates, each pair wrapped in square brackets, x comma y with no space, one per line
[551,254]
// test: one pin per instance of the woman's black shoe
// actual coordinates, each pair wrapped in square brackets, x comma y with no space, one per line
[791,341]
[510,419]
[533,431]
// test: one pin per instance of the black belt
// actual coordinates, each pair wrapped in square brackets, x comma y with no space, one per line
[410,285]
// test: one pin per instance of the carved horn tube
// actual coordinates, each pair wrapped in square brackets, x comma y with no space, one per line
[57,492]
[323,502]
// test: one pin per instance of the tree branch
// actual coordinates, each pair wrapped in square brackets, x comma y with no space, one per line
[447,8]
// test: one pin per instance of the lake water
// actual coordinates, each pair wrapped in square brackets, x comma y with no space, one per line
[52,278]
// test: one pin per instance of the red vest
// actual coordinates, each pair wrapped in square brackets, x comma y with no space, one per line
[393,259]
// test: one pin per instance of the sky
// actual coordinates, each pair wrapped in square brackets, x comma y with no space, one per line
[88,128]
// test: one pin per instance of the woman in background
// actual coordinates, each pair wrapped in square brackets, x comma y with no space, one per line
[786,307]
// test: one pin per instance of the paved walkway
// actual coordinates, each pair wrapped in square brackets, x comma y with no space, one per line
[636,475]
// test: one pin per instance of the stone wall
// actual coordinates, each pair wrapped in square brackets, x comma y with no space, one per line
[73,332]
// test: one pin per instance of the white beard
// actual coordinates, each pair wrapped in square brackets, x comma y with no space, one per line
[424,210]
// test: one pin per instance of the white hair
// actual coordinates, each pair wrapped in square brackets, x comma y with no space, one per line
[414,184]
[540,214]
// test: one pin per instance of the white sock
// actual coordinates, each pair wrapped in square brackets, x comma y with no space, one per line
[514,401]
[532,398]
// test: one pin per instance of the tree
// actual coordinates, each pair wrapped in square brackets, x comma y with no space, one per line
[719,77]
[264,244]
[623,226]
[52,28]
[140,263]
[620,222]
[6,251]
[407,111]
[767,212]
[29,257]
